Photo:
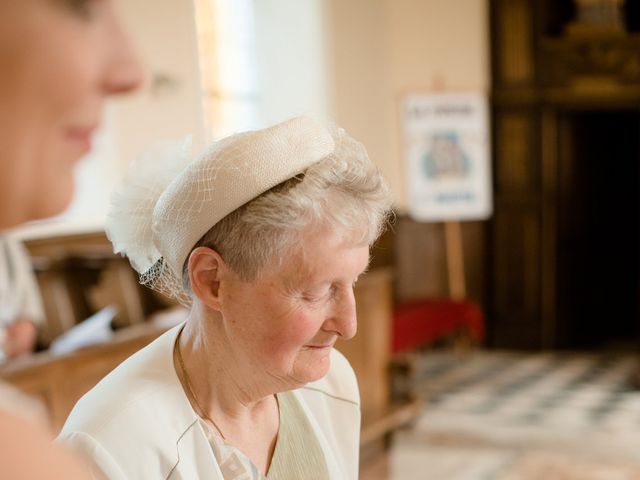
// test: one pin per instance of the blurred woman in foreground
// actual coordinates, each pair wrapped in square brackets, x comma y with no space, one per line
[59,59]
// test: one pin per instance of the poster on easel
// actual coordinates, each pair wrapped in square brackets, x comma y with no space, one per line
[447,156]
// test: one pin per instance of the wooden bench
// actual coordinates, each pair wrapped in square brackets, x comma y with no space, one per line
[59,381]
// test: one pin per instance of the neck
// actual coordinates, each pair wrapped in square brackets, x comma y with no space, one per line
[227,390]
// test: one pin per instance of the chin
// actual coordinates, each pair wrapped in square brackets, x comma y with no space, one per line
[314,372]
[53,202]
[55,207]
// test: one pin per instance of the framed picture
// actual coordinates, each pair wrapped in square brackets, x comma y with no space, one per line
[446,146]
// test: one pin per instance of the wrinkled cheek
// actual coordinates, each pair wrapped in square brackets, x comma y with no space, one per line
[281,349]
[284,345]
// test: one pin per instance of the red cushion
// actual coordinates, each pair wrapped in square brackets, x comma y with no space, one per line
[420,322]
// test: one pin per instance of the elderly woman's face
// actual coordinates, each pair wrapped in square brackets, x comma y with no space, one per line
[59,59]
[286,321]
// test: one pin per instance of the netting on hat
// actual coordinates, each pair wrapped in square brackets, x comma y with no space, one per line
[197,192]
[129,220]
[167,202]
[163,280]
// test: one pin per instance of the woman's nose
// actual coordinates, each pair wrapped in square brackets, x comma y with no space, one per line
[123,69]
[343,320]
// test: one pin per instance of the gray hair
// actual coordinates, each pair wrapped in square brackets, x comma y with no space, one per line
[343,191]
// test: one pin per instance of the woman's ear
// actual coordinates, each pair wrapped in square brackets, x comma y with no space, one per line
[206,267]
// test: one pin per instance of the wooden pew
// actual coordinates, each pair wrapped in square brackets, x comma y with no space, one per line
[60,380]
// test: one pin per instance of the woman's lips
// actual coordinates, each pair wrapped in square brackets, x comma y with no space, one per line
[320,347]
[81,136]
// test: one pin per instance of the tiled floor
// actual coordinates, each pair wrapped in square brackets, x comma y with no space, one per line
[506,415]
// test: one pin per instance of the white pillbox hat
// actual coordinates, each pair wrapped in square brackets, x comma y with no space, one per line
[229,174]
[167,203]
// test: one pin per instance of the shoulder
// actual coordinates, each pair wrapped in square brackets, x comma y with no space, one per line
[95,456]
[141,402]
[121,394]
[121,398]
[340,383]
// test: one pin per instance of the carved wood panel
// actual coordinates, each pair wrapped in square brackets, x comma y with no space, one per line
[544,66]
[514,41]
[572,61]
[516,275]
[517,166]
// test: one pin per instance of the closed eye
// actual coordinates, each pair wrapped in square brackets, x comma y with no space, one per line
[327,293]
[84,9]
[319,295]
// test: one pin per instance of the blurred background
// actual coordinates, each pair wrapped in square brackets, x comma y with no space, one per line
[500,343]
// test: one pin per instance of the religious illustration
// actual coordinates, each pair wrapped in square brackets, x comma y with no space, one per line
[446,157]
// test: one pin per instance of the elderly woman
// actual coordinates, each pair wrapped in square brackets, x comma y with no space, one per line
[265,235]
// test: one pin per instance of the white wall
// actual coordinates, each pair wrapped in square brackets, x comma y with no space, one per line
[165,33]
[359,75]
[291,60]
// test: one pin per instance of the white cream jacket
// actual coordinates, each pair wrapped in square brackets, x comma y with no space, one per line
[137,423]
